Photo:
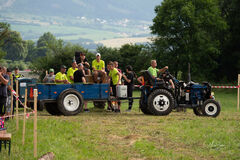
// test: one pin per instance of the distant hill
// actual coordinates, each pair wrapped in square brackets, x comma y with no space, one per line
[79,21]
[106,9]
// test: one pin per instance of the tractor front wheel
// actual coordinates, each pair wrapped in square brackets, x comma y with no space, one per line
[211,108]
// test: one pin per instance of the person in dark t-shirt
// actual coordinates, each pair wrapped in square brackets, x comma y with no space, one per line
[78,75]
[128,80]
[4,78]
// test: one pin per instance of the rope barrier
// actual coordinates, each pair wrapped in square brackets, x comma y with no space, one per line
[226,86]
[17,98]
[27,115]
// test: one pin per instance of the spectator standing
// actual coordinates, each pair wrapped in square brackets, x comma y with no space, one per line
[98,67]
[9,90]
[17,74]
[116,77]
[71,71]
[4,78]
[61,77]
[49,78]
[116,66]
[128,80]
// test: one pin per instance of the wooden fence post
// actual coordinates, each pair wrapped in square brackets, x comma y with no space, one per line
[17,121]
[24,117]
[238,92]
[11,97]
[35,122]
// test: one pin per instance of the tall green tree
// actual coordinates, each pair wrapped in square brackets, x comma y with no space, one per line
[32,50]
[138,56]
[59,54]
[4,31]
[187,31]
[14,46]
[48,44]
[230,59]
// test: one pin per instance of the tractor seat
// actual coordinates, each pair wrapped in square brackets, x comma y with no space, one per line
[149,79]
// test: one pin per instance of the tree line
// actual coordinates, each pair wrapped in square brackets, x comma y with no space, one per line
[202,33]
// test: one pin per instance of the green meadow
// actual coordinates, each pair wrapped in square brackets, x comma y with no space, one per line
[132,135]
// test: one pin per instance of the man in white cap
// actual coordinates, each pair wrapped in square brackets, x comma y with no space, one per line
[98,67]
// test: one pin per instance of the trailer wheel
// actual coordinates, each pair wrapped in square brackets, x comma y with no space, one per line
[40,106]
[198,111]
[70,102]
[143,107]
[211,108]
[160,102]
[52,108]
[99,104]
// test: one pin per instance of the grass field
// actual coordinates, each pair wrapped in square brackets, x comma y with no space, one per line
[135,136]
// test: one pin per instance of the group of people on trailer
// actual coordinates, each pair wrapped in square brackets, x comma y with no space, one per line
[111,74]
[77,74]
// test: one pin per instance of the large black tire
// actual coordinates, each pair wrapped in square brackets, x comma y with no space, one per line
[211,108]
[52,108]
[143,107]
[40,106]
[99,104]
[198,111]
[70,102]
[160,102]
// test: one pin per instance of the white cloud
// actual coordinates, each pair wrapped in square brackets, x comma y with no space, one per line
[7,3]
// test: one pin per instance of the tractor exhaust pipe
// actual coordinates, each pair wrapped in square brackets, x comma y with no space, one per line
[189,73]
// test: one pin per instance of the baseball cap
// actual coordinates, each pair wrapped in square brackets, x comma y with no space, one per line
[98,54]
[51,70]
[63,66]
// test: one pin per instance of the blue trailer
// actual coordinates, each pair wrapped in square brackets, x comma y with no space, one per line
[68,99]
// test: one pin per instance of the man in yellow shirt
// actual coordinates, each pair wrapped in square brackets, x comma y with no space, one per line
[61,77]
[116,80]
[71,71]
[98,67]
[153,69]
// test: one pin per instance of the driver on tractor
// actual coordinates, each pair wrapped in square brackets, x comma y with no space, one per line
[154,71]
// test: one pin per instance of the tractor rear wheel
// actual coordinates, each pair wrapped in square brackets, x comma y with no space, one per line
[160,102]
[70,102]
[211,108]
[143,107]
